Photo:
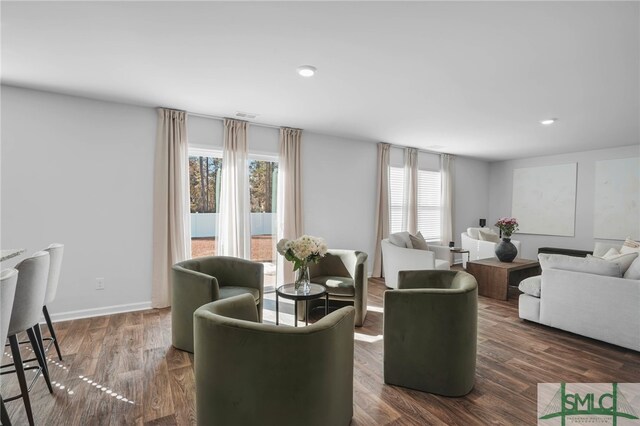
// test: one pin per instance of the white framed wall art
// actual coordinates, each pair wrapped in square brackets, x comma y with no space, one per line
[616,210]
[544,199]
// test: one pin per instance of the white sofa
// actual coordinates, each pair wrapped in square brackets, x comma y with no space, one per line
[479,249]
[396,258]
[575,298]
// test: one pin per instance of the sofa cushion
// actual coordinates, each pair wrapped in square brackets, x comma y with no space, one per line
[401,239]
[633,272]
[531,286]
[418,242]
[473,233]
[622,260]
[488,235]
[630,246]
[589,265]
[340,286]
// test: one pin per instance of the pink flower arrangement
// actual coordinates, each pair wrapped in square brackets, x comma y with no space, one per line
[507,225]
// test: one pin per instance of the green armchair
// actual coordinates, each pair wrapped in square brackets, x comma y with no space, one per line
[202,280]
[344,274]
[248,373]
[430,332]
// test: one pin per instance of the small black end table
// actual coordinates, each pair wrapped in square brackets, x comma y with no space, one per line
[288,291]
[461,251]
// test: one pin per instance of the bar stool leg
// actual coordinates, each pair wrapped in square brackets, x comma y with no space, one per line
[37,349]
[24,389]
[45,311]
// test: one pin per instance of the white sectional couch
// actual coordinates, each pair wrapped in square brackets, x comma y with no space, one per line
[586,297]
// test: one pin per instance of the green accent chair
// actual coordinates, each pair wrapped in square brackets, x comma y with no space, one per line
[202,280]
[248,373]
[344,274]
[430,332]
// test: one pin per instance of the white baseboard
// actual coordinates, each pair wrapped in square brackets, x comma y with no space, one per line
[97,312]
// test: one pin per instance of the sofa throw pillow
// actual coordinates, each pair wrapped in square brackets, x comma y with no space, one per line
[622,260]
[531,286]
[488,235]
[630,246]
[589,265]
[473,233]
[418,242]
[633,272]
[401,239]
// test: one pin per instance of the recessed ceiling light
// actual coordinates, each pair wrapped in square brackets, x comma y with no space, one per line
[307,70]
[549,121]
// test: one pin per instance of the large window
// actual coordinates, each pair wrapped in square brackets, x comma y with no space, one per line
[396,198]
[428,213]
[429,204]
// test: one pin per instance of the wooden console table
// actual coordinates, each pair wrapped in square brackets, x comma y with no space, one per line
[495,277]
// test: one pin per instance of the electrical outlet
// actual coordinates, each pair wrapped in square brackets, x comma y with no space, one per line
[99,283]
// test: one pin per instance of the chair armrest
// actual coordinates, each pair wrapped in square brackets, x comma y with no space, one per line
[193,285]
[355,263]
[441,252]
[397,259]
[190,290]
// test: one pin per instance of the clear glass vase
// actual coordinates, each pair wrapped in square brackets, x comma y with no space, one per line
[302,279]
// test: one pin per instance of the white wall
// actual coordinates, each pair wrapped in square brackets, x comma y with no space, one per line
[69,162]
[339,181]
[471,194]
[80,172]
[339,177]
[501,185]
[208,133]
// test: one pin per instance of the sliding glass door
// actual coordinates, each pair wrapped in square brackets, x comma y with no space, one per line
[205,170]
[263,178]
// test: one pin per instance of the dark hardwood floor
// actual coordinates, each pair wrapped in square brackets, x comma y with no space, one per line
[121,369]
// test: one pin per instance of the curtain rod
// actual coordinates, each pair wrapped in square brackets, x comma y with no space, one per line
[393,145]
[215,117]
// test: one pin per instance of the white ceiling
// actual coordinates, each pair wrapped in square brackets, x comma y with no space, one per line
[474,78]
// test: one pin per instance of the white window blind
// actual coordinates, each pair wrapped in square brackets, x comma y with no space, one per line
[429,204]
[396,198]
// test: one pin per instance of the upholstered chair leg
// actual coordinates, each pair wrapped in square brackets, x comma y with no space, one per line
[4,416]
[52,332]
[37,349]
[24,389]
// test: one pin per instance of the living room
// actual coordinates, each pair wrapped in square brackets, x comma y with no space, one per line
[81,82]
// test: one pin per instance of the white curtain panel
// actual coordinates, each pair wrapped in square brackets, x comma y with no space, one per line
[234,226]
[289,196]
[410,206]
[382,203]
[446,206]
[171,233]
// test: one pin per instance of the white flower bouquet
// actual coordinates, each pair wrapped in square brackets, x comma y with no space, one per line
[303,250]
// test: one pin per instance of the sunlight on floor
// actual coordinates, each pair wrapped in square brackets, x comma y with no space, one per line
[367,338]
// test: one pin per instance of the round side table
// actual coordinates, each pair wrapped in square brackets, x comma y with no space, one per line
[288,291]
